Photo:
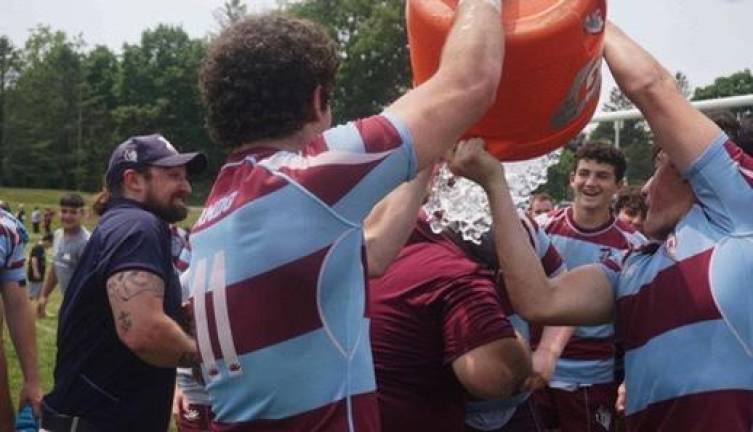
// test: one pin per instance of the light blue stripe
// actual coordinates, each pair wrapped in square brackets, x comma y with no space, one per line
[267,233]
[380,181]
[691,359]
[521,326]
[291,378]
[599,331]
[584,371]
[344,138]
[732,286]
[341,295]
[696,234]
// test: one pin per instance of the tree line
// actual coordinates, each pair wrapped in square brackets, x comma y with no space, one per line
[65,105]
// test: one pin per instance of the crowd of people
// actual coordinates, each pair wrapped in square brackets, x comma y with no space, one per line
[312,294]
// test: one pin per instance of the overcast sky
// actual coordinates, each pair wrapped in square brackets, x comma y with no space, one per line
[703,38]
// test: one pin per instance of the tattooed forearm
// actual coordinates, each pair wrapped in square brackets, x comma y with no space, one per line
[125,322]
[126,285]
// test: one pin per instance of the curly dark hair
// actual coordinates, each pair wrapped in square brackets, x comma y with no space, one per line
[631,198]
[259,77]
[602,152]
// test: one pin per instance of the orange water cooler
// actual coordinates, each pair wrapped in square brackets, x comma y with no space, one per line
[551,76]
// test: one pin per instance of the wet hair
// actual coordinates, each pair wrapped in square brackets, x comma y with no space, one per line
[605,153]
[259,77]
[631,198]
[72,200]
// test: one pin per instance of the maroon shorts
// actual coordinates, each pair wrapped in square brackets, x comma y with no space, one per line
[195,419]
[588,409]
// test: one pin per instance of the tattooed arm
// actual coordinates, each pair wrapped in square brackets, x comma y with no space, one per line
[136,299]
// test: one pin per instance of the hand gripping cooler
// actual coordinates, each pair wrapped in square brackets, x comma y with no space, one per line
[551,77]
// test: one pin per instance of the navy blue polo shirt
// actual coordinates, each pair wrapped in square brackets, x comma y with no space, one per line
[96,376]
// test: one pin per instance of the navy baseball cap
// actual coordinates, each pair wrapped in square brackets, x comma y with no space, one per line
[151,150]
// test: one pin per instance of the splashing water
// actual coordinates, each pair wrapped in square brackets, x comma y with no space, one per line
[461,205]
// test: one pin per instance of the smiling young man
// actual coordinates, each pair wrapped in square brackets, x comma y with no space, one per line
[682,305]
[119,338]
[68,244]
[582,392]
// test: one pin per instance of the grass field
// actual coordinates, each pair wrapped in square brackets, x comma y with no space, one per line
[46,328]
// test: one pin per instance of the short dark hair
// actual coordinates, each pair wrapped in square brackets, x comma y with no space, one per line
[259,77]
[631,198]
[72,200]
[541,196]
[602,152]
[727,122]
[47,237]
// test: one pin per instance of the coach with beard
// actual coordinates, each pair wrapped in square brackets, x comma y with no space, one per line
[119,338]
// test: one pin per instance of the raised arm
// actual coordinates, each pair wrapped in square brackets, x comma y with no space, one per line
[389,224]
[440,110]
[679,129]
[579,297]
[21,328]
[136,299]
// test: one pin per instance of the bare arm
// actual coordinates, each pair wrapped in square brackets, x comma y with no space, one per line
[579,297]
[553,341]
[136,299]
[21,328]
[440,110]
[495,370]
[49,283]
[35,266]
[679,129]
[390,223]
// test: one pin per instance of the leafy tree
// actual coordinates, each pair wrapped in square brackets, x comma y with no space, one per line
[43,125]
[739,83]
[374,49]
[231,11]
[9,66]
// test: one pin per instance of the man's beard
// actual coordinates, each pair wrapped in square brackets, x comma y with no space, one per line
[166,212]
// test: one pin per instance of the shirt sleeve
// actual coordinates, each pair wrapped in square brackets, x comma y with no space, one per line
[140,246]
[730,275]
[352,167]
[13,240]
[722,179]
[472,317]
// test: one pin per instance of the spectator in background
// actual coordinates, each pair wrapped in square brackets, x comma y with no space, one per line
[15,302]
[47,219]
[67,247]
[21,214]
[120,336]
[541,203]
[36,270]
[36,220]
[631,207]
[581,395]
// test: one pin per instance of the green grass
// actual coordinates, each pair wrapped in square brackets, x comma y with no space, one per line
[47,328]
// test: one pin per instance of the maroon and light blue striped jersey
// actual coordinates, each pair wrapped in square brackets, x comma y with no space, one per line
[277,279]
[685,307]
[588,358]
[13,240]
